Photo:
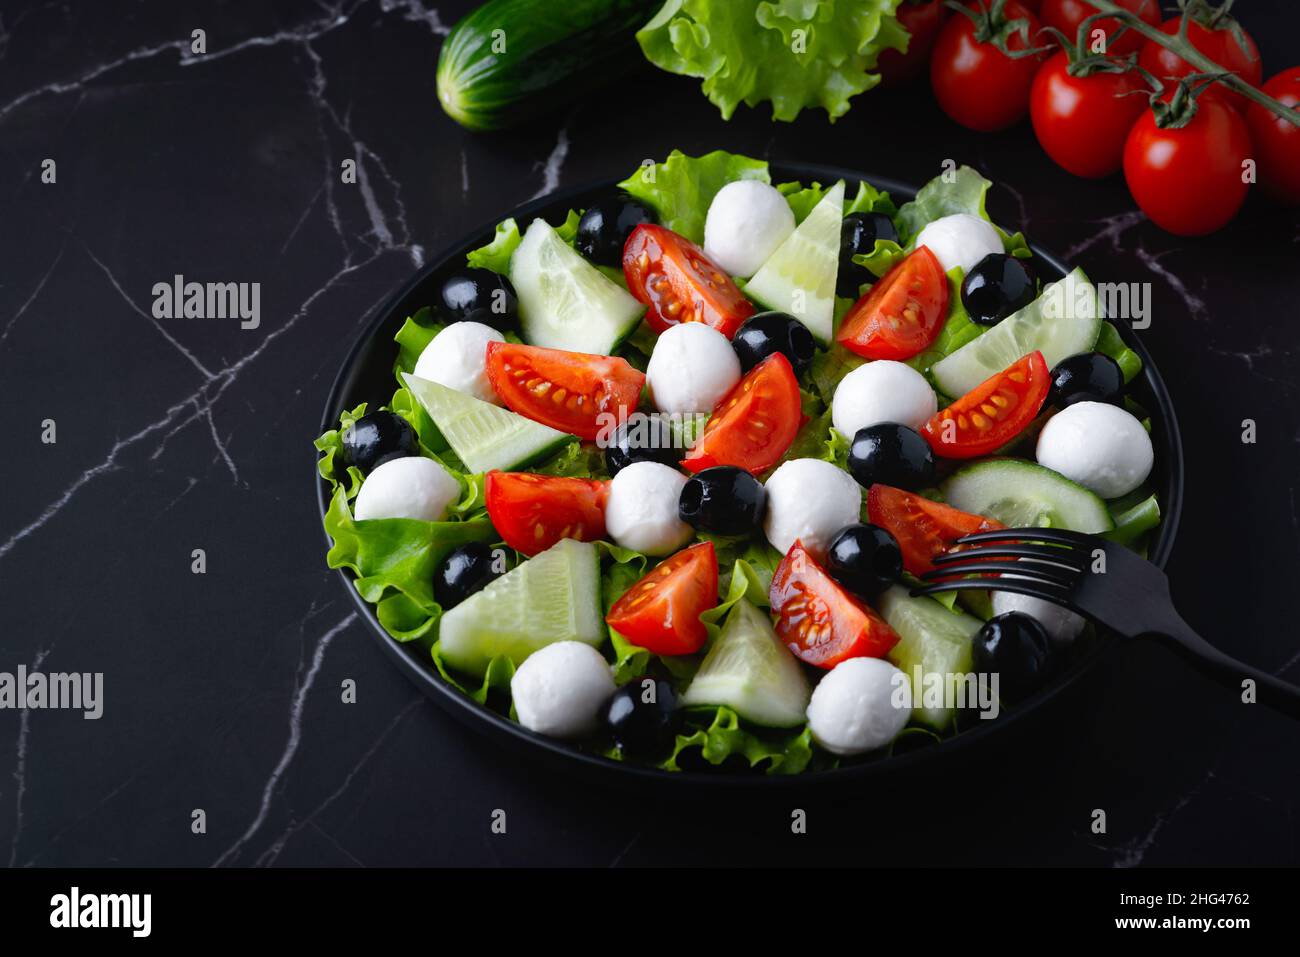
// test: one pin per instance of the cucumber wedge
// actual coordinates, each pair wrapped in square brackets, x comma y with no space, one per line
[936,639]
[564,301]
[485,436]
[799,278]
[554,596]
[1063,321]
[751,672]
[1023,494]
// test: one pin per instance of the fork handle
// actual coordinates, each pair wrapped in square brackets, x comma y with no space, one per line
[1269,689]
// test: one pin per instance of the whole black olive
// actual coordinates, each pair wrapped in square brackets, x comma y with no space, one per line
[1017,649]
[642,716]
[997,286]
[763,334]
[1086,377]
[480,295]
[865,559]
[723,500]
[464,571]
[642,438]
[375,438]
[604,228]
[891,454]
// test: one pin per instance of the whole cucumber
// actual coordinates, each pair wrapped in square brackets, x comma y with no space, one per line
[510,60]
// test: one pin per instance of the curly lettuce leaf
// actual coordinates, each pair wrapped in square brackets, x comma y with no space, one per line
[496,254]
[330,464]
[803,198]
[681,188]
[884,255]
[793,53]
[958,329]
[724,736]
[958,191]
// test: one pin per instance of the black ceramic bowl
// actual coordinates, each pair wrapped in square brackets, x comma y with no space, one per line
[366,376]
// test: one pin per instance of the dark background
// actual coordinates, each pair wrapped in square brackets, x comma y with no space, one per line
[222,691]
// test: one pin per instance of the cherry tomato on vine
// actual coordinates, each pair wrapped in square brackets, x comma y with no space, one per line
[977,84]
[1066,15]
[1189,180]
[1277,140]
[922,20]
[1218,42]
[1083,121]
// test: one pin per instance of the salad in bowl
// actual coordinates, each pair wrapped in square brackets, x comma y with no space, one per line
[657,479]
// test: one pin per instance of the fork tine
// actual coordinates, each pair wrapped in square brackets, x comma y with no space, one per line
[1033,571]
[1060,536]
[1046,553]
[1021,586]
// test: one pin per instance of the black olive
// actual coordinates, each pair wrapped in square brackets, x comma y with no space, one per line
[891,454]
[604,228]
[642,438]
[463,572]
[1017,649]
[865,559]
[1086,377]
[723,500]
[375,438]
[996,287]
[858,235]
[763,334]
[642,716]
[480,295]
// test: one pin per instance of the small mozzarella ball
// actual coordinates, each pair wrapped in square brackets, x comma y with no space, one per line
[1061,624]
[560,690]
[1098,445]
[641,511]
[409,487]
[882,391]
[692,367]
[961,239]
[809,500]
[747,220]
[457,358]
[860,706]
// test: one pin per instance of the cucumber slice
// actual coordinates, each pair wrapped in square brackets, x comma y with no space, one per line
[554,596]
[751,672]
[484,436]
[1023,494]
[799,278]
[936,639]
[564,301]
[1063,321]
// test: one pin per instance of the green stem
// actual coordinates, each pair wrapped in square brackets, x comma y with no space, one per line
[1196,58]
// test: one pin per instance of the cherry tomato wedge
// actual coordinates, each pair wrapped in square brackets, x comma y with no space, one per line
[570,391]
[819,621]
[533,512]
[922,528]
[672,276]
[661,612]
[754,423]
[993,413]
[902,313]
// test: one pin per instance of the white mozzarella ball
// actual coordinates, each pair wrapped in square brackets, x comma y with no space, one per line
[1061,624]
[809,500]
[747,220]
[1098,445]
[409,487]
[692,367]
[641,511]
[882,391]
[859,706]
[457,358]
[961,239]
[559,690]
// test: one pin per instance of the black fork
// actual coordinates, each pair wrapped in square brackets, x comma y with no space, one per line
[1102,581]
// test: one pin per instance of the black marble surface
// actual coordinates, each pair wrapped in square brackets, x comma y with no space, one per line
[222,691]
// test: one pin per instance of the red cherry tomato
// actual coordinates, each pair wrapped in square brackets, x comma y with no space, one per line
[977,84]
[922,20]
[1083,121]
[570,391]
[1066,15]
[672,276]
[922,528]
[661,612]
[1220,45]
[902,313]
[818,620]
[754,423]
[1189,181]
[993,413]
[1276,140]
[533,512]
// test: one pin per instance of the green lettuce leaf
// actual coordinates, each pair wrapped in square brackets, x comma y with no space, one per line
[958,329]
[803,198]
[884,255]
[719,734]
[496,254]
[681,188]
[962,191]
[793,53]
[330,464]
